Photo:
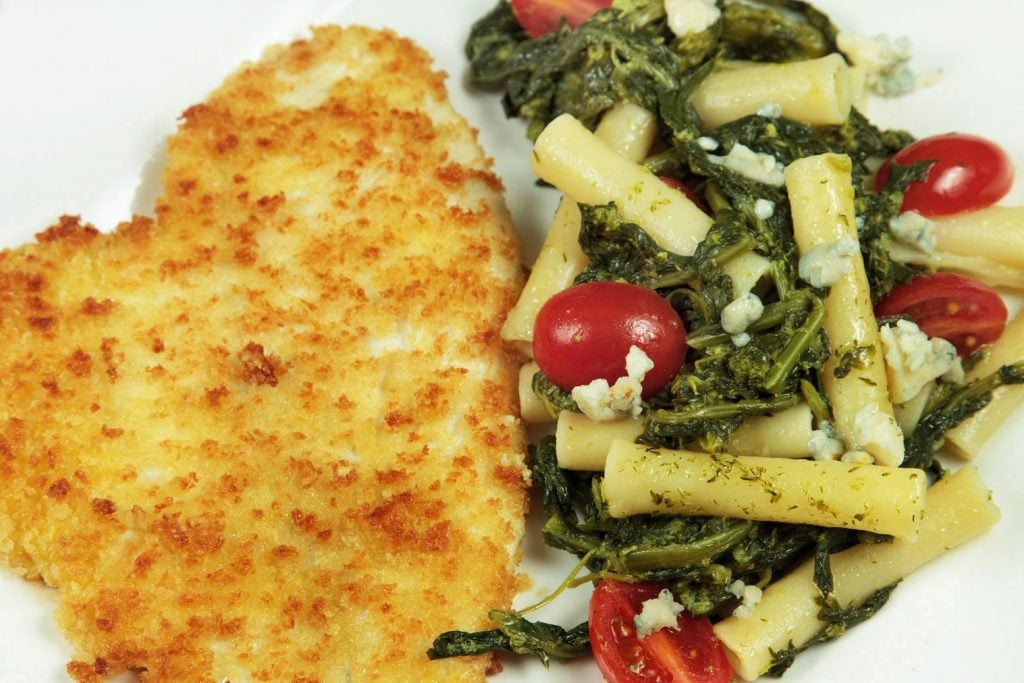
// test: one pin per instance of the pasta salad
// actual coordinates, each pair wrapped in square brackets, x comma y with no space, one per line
[754,321]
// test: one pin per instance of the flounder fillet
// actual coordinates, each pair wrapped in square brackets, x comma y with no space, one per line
[270,435]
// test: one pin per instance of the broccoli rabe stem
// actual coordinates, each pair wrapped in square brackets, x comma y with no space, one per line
[928,435]
[798,343]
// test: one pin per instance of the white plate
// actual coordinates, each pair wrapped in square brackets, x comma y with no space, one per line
[92,89]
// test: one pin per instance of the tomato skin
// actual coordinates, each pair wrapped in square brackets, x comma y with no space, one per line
[968,173]
[538,17]
[584,332]
[689,653]
[955,307]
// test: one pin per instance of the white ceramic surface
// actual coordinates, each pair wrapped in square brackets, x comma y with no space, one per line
[91,89]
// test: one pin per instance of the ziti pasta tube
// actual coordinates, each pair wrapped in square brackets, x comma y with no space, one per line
[959,508]
[884,500]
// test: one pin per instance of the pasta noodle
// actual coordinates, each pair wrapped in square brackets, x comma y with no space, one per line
[582,443]
[578,163]
[995,234]
[885,500]
[821,198]
[967,439]
[959,508]
[816,91]
[531,408]
[629,130]
[786,434]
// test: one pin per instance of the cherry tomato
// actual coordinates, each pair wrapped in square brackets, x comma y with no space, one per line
[690,194]
[584,332]
[689,653]
[957,308]
[538,17]
[969,173]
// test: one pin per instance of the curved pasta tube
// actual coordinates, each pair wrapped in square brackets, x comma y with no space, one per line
[959,508]
[821,199]
[816,91]
[582,443]
[884,500]
[629,130]
[531,408]
[786,434]
[578,163]
[995,233]
[990,272]
[967,438]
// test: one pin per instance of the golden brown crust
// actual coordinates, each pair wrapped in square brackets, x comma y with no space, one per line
[254,438]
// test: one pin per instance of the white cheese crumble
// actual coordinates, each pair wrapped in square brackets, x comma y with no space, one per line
[912,360]
[876,432]
[690,16]
[885,61]
[823,265]
[750,596]
[914,230]
[770,110]
[638,363]
[764,209]
[763,168]
[602,402]
[858,458]
[657,613]
[741,312]
[707,144]
[740,340]
[823,444]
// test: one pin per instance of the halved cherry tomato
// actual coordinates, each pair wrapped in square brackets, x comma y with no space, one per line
[690,194]
[538,17]
[584,332]
[968,173]
[957,308]
[689,653]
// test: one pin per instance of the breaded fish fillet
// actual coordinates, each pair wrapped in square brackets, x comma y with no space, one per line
[271,435]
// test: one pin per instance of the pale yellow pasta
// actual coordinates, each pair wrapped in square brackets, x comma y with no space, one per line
[995,234]
[988,271]
[582,443]
[959,508]
[559,262]
[531,408]
[967,439]
[885,500]
[629,130]
[577,162]
[909,413]
[821,199]
[746,270]
[786,434]
[816,91]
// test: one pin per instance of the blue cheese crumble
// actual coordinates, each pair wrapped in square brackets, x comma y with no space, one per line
[763,168]
[912,360]
[749,595]
[764,208]
[823,265]
[603,402]
[658,613]
[885,62]
[690,16]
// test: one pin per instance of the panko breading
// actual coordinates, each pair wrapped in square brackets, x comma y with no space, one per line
[271,435]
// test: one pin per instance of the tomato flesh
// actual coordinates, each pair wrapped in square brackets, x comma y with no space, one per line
[584,332]
[689,653]
[538,17]
[968,173]
[954,307]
